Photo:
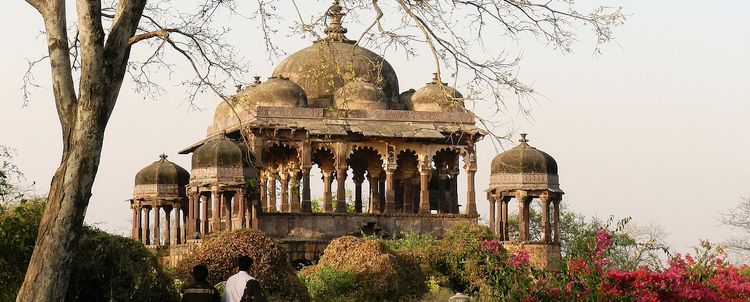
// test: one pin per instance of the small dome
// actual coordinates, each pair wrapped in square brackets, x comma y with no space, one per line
[234,106]
[524,159]
[325,67]
[274,92]
[360,95]
[218,153]
[162,172]
[437,97]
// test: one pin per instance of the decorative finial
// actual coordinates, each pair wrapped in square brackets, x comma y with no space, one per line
[256,82]
[163,157]
[435,78]
[334,31]
[239,87]
[523,139]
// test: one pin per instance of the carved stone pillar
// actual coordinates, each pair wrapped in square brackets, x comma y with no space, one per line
[294,190]
[264,190]
[168,226]
[204,215]
[192,209]
[177,228]
[135,223]
[184,217]
[271,207]
[390,191]
[523,215]
[556,205]
[471,204]
[358,178]
[216,202]
[157,225]
[504,216]
[284,177]
[425,169]
[306,203]
[239,197]
[471,169]
[327,195]
[341,190]
[147,227]
[493,225]
[546,228]
[372,181]
[226,201]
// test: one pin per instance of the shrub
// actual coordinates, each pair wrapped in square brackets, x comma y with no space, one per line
[368,269]
[219,252]
[114,268]
[19,224]
[330,282]
[106,267]
[458,257]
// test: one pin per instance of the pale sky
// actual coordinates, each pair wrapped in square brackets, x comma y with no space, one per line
[656,128]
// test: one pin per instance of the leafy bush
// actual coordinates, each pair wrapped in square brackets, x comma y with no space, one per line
[368,270]
[106,267]
[219,252]
[330,282]
[114,268]
[705,277]
[19,224]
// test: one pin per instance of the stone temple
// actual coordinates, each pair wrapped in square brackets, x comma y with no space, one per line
[336,107]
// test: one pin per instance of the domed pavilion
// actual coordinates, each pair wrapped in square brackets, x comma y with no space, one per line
[526,174]
[159,187]
[335,107]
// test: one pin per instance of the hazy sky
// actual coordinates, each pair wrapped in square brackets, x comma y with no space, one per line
[656,128]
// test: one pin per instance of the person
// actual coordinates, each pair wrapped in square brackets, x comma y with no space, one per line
[235,287]
[253,292]
[200,290]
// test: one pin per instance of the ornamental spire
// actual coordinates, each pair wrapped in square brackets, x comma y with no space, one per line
[335,31]
[523,139]
[163,157]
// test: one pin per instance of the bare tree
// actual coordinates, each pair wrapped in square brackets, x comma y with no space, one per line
[94,51]
[738,218]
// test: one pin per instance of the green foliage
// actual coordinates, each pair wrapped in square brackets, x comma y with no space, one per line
[457,256]
[633,246]
[219,252]
[114,268]
[106,267]
[336,284]
[19,224]
[10,177]
[410,240]
[367,271]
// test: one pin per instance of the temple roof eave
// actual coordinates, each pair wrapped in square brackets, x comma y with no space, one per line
[399,124]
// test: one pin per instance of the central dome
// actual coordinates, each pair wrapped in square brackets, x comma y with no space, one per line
[331,62]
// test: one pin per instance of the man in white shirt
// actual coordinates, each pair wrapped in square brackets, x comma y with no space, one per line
[236,283]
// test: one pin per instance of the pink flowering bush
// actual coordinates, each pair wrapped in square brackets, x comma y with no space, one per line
[704,277]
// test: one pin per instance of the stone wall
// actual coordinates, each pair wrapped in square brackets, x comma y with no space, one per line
[171,255]
[544,256]
[307,235]
[328,226]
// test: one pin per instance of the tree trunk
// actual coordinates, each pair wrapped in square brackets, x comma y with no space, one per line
[49,269]
[83,117]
